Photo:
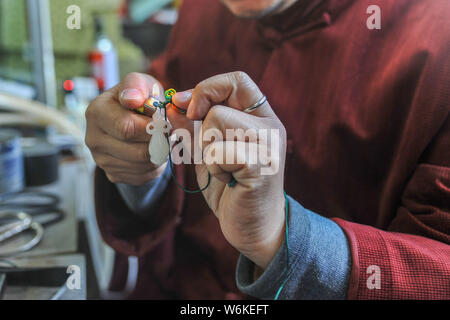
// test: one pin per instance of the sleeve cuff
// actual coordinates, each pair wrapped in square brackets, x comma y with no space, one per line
[143,199]
[320,262]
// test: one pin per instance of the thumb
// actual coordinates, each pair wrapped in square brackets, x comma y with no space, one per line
[182,99]
[135,88]
[235,90]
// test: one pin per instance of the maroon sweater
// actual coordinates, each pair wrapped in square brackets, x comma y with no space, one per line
[367,117]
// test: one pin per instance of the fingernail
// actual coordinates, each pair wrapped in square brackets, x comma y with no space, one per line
[184,96]
[131,94]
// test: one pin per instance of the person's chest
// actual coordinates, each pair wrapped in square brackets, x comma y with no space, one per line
[342,96]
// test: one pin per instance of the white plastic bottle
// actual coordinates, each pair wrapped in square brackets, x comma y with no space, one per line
[104,60]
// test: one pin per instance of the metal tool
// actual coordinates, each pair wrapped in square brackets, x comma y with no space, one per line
[10,230]
[24,211]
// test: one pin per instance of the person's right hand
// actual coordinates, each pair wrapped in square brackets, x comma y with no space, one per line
[116,135]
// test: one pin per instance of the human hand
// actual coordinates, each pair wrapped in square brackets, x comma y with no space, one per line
[117,136]
[251,214]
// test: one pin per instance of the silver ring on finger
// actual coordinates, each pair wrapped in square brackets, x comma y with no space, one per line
[256,105]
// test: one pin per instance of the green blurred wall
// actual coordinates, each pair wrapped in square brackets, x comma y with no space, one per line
[71,47]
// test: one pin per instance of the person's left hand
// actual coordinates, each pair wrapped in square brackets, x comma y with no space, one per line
[251,214]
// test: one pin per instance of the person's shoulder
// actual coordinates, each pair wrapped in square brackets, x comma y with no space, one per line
[432,11]
[428,23]
[424,39]
[422,25]
[429,14]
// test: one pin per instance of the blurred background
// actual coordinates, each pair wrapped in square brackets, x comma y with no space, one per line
[55,57]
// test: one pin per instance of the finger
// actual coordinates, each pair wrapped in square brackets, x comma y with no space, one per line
[224,123]
[110,163]
[180,121]
[214,191]
[234,159]
[236,90]
[118,122]
[135,88]
[182,99]
[135,152]
[233,125]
